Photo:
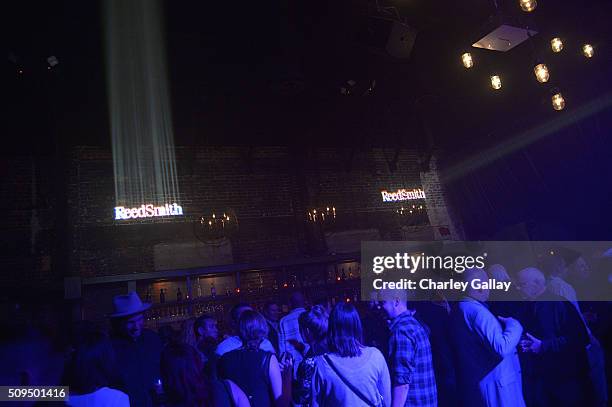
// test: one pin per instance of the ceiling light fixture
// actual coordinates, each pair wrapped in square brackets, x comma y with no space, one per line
[496,82]
[558,102]
[541,73]
[528,5]
[556,44]
[505,33]
[467,60]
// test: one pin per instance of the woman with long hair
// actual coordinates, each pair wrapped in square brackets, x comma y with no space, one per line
[256,371]
[351,374]
[313,328]
[185,385]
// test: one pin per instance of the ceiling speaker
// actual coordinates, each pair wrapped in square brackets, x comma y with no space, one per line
[390,36]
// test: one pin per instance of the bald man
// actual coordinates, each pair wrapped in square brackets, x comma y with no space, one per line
[488,369]
[555,346]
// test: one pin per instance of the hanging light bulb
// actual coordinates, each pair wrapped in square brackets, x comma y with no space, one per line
[558,102]
[588,50]
[556,44]
[467,60]
[496,82]
[541,73]
[528,5]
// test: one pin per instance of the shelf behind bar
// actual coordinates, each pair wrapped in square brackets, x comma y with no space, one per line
[223,269]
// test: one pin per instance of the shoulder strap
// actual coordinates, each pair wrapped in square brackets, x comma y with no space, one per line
[347,383]
[228,389]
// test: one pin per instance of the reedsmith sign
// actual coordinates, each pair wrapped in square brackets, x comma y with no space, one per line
[147,211]
[403,195]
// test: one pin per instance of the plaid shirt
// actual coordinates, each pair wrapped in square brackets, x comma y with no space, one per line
[410,361]
[289,328]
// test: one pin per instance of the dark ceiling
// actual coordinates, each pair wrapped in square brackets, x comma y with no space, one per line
[270,73]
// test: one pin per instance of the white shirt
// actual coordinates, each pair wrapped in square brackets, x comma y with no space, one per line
[368,372]
[102,397]
[234,342]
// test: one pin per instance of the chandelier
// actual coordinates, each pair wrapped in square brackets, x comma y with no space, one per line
[216,225]
[410,210]
[411,215]
[322,215]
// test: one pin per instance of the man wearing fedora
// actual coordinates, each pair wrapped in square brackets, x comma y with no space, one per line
[137,349]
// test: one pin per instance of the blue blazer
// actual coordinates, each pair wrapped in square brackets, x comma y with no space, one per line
[488,368]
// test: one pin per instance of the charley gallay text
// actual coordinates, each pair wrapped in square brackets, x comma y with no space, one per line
[430,284]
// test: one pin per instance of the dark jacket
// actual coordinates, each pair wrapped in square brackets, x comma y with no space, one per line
[138,363]
[558,375]
[555,321]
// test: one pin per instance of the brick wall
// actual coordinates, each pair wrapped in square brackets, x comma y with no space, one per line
[210,179]
[442,219]
[28,221]
[269,188]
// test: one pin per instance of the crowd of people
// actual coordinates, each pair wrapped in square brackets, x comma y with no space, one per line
[548,349]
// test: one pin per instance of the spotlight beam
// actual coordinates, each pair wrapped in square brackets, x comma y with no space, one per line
[524,139]
[141,123]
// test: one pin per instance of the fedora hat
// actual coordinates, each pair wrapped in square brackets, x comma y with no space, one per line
[129,304]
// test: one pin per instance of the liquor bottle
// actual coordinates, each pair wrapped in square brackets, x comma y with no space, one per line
[162,296]
[350,272]
[275,285]
[199,289]
[227,291]
[149,296]
[213,290]
[179,294]
[343,277]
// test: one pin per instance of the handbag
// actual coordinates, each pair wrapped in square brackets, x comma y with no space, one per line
[353,388]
